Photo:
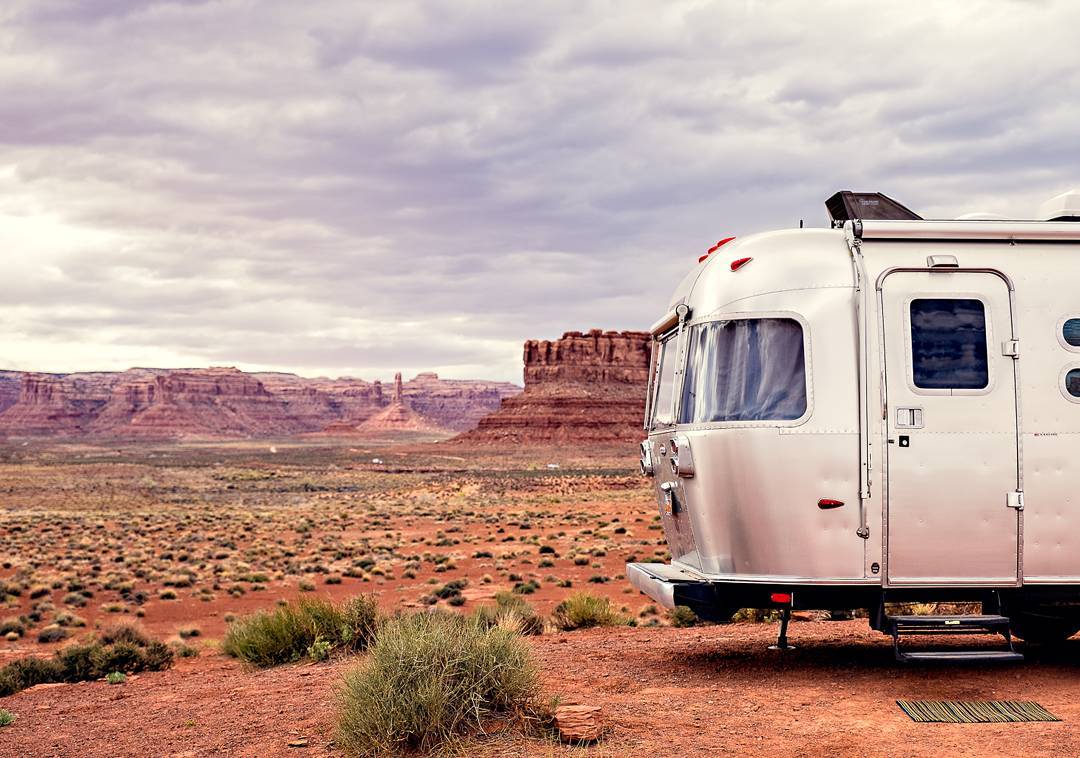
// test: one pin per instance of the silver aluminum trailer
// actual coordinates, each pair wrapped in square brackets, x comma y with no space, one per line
[884,411]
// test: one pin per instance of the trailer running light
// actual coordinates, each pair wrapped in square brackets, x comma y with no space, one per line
[739,263]
[714,248]
[825,503]
[781,597]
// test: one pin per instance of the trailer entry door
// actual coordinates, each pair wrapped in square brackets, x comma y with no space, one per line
[951,422]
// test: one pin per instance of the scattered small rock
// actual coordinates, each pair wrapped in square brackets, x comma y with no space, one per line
[578,723]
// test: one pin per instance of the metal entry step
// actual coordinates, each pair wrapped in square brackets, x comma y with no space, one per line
[898,626]
[960,656]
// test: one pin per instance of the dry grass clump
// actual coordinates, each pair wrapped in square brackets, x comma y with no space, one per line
[583,611]
[510,612]
[682,616]
[121,648]
[429,678]
[292,631]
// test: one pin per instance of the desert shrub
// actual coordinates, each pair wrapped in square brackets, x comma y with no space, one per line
[74,598]
[10,625]
[682,616]
[53,633]
[582,611]
[7,718]
[69,619]
[269,638]
[756,615]
[27,672]
[430,677]
[450,589]
[185,651]
[510,612]
[116,677]
[122,647]
[319,650]
[360,622]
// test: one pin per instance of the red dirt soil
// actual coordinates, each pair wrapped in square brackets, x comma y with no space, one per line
[663,691]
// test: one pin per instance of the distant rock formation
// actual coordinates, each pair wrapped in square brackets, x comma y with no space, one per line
[399,416]
[228,403]
[582,387]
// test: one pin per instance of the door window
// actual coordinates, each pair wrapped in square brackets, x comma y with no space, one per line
[948,344]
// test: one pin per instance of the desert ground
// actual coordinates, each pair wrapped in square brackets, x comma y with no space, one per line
[182,539]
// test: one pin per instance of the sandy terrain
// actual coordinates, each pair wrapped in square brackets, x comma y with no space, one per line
[229,529]
[701,691]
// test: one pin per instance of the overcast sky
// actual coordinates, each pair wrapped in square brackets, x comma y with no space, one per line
[355,188]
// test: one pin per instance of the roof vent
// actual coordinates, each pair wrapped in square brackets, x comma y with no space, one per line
[871,206]
[1064,207]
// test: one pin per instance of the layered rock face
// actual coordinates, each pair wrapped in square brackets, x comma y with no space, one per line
[582,387]
[228,403]
[10,385]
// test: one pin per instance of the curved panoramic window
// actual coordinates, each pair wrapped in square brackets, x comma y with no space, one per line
[665,381]
[1072,382]
[1070,331]
[744,370]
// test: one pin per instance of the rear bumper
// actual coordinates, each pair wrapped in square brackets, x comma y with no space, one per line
[717,598]
[659,580]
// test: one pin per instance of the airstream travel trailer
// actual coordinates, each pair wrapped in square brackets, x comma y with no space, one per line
[884,411]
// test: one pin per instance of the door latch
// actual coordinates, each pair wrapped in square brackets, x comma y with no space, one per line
[670,503]
[1011,348]
[1015,500]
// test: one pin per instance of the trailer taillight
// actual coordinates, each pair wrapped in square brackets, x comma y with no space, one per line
[781,597]
[739,263]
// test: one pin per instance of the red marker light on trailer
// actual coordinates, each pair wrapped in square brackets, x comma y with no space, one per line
[780,597]
[714,248]
[719,245]
[739,263]
[827,502]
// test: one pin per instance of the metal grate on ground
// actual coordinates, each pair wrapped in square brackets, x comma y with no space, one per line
[974,711]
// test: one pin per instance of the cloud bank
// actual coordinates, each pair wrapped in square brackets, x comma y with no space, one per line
[347,188]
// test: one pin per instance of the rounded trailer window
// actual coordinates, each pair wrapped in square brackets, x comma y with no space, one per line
[1069,333]
[1072,384]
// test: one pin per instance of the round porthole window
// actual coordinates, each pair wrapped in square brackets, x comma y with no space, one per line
[1070,332]
[1072,382]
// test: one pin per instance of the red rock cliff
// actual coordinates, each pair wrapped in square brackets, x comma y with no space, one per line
[227,403]
[589,387]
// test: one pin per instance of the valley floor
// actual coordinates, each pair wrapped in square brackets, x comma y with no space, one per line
[664,691]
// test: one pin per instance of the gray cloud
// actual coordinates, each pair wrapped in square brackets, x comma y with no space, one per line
[342,188]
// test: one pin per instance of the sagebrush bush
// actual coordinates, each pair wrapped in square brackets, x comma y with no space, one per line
[430,677]
[287,633]
[582,611]
[7,718]
[120,648]
[682,616]
[510,612]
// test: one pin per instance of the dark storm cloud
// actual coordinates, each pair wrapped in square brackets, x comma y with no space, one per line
[344,188]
